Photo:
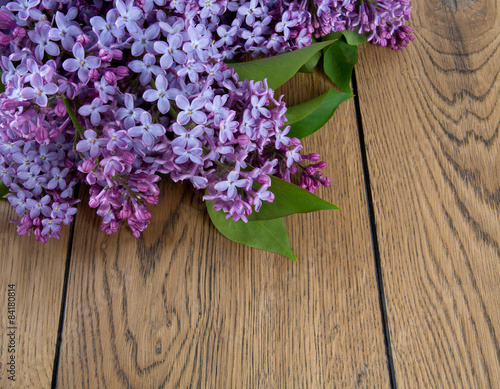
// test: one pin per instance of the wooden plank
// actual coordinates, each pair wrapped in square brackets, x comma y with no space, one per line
[37,270]
[183,306]
[431,121]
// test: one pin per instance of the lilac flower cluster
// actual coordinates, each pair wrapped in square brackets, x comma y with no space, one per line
[385,21]
[115,94]
[269,27]
[40,178]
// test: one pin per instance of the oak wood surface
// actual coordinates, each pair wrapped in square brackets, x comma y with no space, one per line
[431,123]
[184,307]
[37,271]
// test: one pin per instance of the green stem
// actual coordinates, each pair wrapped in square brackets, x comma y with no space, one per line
[72,116]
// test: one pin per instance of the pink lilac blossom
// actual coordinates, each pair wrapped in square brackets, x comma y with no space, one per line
[93,113]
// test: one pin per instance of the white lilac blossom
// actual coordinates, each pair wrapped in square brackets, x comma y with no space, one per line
[81,104]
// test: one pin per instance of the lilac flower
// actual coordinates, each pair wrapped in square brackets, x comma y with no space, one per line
[64,32]
[232,183]
[62,211]
[227,128]
[258,107]
[293,155]
[29,177]
[250,11]
[253,38]
[285,24]
[190,111]
[227,35]
[146,67]
[92,143]
[192,154]
[161,94]
[281,138]
[39,91]
[129,114]
[40,36]
[6,174]
[24,8]
[129,15]
[39,206]
[217,108]
[197,43]
[19,201]
[262,195]
[187,138]
[107,27]
[104,89]
[191,68]
[145,40]
[147,130]
[170,50]
[52,226]
[94,110]
[81,63]
[46,157]
[57,178]
[117,139]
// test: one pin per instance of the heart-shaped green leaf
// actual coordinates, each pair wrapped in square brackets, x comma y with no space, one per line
[339,60]
[307,118]
[269,235]
[2,86]
[280,68]
[289,199]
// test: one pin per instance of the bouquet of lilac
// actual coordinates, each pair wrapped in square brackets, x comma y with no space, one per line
[117,95]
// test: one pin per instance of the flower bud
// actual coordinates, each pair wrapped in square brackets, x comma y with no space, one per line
[8,104]
[105,55]
[5,40]
[264,180]
[243,139]
[94,74]
[87,166]
[117,54]
[110,77]
[60,109]
[5,17]
[19,32]
[314,157]
[154,200]
[128,157]
[83,39]
[121,71]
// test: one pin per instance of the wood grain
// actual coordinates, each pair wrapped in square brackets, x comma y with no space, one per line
[184,307]
[431,122]
[37,270]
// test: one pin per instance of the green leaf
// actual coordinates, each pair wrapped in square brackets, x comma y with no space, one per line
[269,235]
[2,86]
[309,66]
[353,38]
[307,118]
[336,35]
[4,190]
[289,199]
[338,62]
[280,68]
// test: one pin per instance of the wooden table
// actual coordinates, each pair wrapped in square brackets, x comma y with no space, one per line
[399,289]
